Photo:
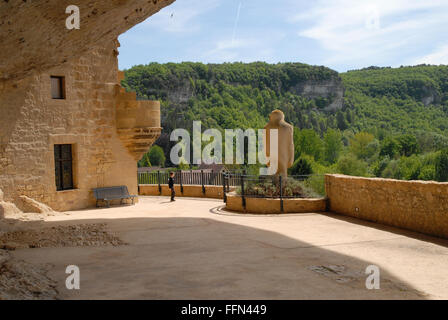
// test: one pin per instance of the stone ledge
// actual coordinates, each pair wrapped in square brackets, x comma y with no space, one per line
[272,206]
[214,192]
[420,206]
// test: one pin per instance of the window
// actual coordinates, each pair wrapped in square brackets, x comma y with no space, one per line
[57,87]
[63,166]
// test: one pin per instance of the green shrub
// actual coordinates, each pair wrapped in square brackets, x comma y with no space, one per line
[380,166]
[391,171]
[409,168]
[427,173]
[156,156]
[317,184]
[301,166]
[441,167]
[352,166]
[270,188]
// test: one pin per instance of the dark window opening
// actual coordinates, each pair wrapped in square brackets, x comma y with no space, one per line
[57,87]
[63,166]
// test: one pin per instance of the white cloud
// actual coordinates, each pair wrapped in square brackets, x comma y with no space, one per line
[356,31]
[181,16]
[439,56]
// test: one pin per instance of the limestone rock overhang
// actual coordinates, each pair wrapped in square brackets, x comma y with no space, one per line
[34,37]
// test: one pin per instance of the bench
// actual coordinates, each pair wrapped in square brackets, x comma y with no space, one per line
[112,193]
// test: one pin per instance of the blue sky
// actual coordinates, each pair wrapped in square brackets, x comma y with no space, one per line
[340,34]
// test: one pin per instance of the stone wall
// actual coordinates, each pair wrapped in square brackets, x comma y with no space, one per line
[273,206]
[414,205]
[32,122]
[214,192]
[35,44]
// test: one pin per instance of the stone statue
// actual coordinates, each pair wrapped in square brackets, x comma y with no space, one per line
[285,155]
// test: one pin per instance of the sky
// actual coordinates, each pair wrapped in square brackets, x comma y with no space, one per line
[340,34]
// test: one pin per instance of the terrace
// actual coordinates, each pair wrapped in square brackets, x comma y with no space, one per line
[194,249]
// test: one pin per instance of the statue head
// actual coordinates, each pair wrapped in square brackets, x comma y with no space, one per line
[276,116]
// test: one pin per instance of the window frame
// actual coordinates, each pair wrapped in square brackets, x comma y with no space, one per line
[61,83]
[59,161]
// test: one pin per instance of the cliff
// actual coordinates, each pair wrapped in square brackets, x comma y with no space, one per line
[37,30]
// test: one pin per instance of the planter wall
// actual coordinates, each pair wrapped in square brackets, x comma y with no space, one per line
[273,206]
[214,192]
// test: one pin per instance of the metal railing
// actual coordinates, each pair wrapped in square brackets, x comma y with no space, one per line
[247,186]
[294,186]
[186,177]
[276,187]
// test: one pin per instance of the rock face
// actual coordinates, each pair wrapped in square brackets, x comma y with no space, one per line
[430,96]
[23,281]
[32,124]
[34,37]
[8,209]
[106,129]
[30,205]
[330,89]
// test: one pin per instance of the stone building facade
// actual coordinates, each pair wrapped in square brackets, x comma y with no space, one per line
[79,107]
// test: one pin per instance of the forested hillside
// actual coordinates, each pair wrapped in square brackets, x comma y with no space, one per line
[375,121]
[235,95]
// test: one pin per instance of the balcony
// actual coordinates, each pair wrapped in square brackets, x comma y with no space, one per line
[138,122]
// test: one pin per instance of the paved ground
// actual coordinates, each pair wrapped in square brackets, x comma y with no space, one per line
[191,249]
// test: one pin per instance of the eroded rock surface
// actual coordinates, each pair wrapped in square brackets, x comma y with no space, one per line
[30,205]
[34,37]
[59,236]
[20,280]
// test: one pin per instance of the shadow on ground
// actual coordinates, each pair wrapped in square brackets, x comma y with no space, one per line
[203,258]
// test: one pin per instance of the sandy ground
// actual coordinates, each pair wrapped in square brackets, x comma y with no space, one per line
[192,249]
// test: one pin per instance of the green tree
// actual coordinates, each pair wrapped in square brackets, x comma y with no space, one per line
[144,162]
[350,165]
[308,142]
[427,173]
[390,147]
[409,168]
[332,145]
[156,156]
[380,166]
[408,144]
[364,145]
[301,166]
[392,170]
[184,166]
[341,121]
[441,167]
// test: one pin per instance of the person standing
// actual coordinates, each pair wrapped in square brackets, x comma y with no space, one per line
[171,186]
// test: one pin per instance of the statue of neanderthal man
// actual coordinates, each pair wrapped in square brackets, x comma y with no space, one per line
[285,155]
